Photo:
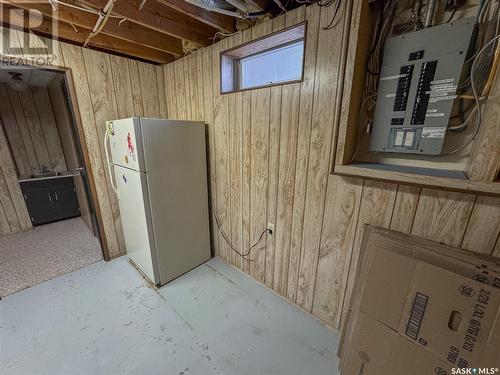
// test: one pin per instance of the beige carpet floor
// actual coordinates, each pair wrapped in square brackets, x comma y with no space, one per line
[32,257]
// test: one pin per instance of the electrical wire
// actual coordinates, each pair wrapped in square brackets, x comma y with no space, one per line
[326,4]
[452,15]
[418,15]
[480,19]
[221,33]
[141,5]
[474,88]
[191,51]
[359,128]
[375,39]
[242,253]
[331,25]
[464,124]
[485,68]
[101,22]
[414,23]
[462,111]
[84,8]
[479,66]
[386,12]
[376,52]
[281,6]
[471,55]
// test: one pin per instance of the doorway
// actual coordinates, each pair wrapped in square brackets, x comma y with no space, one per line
[49,222]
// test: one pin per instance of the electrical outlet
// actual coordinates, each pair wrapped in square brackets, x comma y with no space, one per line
[270,226]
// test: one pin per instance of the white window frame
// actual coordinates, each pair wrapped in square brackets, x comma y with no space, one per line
[238,71]
[230,60]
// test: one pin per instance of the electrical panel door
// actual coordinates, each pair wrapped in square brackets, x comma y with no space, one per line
[417,86]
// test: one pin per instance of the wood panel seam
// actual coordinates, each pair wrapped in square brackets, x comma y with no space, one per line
[468,220]
[344,302]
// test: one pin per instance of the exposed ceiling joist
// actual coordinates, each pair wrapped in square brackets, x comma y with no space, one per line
[268,6]
[161,29]
[19,20]
[160,18]
[128,31]
[144,36]
[219,21]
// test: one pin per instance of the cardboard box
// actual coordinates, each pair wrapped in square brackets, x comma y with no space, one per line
[451,316]
[376,349]
[451,251]
[409,359]
[439,255]
[370,347]
[377,241]
[419,303]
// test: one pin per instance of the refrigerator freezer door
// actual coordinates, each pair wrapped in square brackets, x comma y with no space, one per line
[125,143]
[136,220]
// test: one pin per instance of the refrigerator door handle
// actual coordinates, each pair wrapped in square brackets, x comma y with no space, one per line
[109,126]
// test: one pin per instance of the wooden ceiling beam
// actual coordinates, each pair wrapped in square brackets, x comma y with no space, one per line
[221,22]
[126,30]
[268,6]
[19,20]
[143,35]
[160,18]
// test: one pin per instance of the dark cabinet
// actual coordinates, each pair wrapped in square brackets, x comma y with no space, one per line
[50,199]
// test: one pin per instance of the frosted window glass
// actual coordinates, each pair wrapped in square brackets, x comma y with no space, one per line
[278,65]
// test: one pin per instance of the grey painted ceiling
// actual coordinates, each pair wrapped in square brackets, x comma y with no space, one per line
[33,77]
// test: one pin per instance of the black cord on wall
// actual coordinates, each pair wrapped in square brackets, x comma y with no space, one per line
[242,253]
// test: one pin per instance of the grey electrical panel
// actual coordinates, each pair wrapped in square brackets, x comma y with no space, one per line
[417,86]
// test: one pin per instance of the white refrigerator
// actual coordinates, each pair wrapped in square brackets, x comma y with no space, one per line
[159,172]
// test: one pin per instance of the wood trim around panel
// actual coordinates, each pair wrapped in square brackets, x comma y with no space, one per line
[356,50]
[442,183]
[341,84]
[226,55]
[5,59]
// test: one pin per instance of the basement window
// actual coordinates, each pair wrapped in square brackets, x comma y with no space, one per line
[273,60]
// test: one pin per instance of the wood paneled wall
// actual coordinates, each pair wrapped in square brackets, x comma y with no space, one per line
[13,212]
[31,129]
[270,153]
[107,87]
[29,140]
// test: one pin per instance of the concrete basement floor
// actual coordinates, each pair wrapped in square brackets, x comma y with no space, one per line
[106,319]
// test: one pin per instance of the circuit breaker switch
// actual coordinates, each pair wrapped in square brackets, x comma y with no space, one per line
[409,138]
[398,140]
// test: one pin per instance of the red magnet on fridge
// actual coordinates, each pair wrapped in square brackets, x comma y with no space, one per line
[129,142]
[130,146]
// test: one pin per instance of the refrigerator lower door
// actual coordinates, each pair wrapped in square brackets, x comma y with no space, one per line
[177,183]
[136,220]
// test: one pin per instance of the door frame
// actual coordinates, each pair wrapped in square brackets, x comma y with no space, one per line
[89,175]
[80,142]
